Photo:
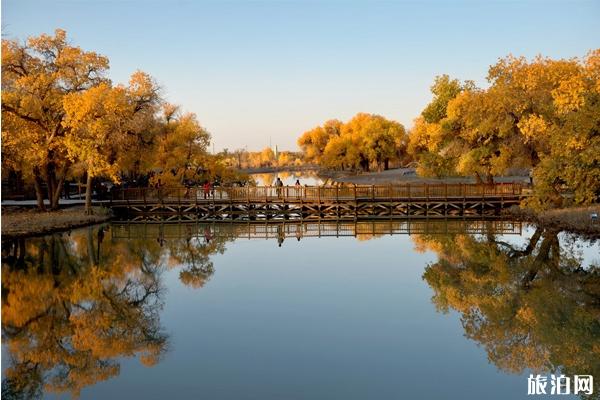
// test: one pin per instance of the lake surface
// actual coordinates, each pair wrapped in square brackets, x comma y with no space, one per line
[289,178]
[455,310]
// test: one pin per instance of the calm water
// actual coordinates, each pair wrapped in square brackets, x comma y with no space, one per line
[297,311]
[288,178]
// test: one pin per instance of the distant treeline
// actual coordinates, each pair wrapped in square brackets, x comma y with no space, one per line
[268,157]
[541,115]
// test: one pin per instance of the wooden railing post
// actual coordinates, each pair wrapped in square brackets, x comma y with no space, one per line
[319,195]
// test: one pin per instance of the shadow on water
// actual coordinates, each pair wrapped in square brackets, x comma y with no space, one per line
[74,304]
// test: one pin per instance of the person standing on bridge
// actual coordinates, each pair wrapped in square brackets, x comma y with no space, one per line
[298,187]
[207,189]
[279,186]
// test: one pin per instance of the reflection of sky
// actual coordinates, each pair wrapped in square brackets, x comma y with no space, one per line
[587,251]
[315,319]
[288,178]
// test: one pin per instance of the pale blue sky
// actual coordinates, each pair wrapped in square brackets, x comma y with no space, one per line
[254,70]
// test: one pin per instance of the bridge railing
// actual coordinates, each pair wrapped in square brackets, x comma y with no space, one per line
[417,191]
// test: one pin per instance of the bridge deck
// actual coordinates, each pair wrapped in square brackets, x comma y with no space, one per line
[338,202]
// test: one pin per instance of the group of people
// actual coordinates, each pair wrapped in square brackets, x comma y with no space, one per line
[279,182]
[279,185]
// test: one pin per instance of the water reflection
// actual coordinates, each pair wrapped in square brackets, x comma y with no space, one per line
[289,178]
[72,305]
[75,304]
[533,306]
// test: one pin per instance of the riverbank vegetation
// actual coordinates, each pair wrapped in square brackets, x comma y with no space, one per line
[62,119]
[366,141]
[539,116]
[267,158]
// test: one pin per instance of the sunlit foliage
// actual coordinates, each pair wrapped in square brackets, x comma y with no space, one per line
[365,141]
[36,78]
[61,116]
[541,114]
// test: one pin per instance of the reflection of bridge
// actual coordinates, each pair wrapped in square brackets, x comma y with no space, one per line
[314,202]
[298,230]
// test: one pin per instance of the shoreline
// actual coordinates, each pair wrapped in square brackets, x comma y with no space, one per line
[575,220]
[19,223]
[266,170]
[404,175]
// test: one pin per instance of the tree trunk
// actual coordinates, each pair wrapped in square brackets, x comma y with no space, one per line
[49,184]
[59,187]
[478,178]
[386,164]
[39,193]
[88,194]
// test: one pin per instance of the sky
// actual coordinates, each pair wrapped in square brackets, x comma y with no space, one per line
[261,72]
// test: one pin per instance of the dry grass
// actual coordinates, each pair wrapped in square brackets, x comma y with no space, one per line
[576,219]
[20,222]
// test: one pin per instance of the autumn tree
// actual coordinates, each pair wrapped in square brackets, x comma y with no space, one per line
[36,77]
[314,141]
[541,114]
[364,141]
[180,146]
[101,121]
[428,141]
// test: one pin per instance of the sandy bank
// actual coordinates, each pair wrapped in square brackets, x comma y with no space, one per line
[20,222]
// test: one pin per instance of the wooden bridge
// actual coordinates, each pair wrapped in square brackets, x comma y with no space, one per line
[355,202]
[298,230]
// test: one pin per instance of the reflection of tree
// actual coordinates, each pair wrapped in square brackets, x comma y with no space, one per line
[70,309]
[535,307]
[194,255]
